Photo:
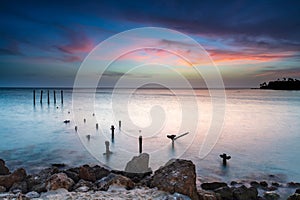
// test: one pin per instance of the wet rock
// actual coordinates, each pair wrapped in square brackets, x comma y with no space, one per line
[297,191]
[275,184]
[2,189]
[17,176]
[20,186]
[114,179]
[176,176]
[255,184]
[263,184]
[32,195]
[138,164]
[213,185]
[295,196]
[233,183]
[272,188]
[59,180]
[58,165]
[244,193]
[271,196]
[226,193]
[293,184]
[3,169]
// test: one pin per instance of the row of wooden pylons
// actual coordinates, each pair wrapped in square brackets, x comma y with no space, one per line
[48,96]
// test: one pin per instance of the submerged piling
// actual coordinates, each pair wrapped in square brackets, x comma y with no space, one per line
[48,99]
[140,144]
[120,124]
[97,126]
[54,96]
[62,96]
[33,97]
[112,132]
[41,97]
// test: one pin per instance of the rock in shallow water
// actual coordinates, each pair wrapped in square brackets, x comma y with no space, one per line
[213,185]
[176,176]
[271,196]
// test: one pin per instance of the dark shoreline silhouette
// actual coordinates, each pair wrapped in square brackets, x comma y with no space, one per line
[284,84]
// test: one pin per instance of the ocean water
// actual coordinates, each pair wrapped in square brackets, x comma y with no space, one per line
[260,130]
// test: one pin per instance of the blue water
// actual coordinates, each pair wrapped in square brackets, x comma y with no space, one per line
[260,131]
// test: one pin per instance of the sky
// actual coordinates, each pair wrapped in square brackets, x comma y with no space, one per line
[43,43]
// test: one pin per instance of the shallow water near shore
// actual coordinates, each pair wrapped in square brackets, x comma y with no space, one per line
[260,132]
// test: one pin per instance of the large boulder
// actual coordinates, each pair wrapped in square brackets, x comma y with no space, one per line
[17,176]
[60,180]
[115,179]
[3,169]
[176,176]
[213,185]
[244,193]
[138,164]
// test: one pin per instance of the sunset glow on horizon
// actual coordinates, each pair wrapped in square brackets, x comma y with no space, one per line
[43,44]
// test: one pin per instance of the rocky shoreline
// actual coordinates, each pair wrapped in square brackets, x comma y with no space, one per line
[175,180]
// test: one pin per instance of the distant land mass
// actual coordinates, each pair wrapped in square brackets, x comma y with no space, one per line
[284,84]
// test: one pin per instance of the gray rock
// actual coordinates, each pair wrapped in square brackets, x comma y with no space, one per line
[138,164]
[32,194]
[3,169]
[82,189]
[244,193]
[54,194]
[213,185]
[59,180]
[176,176]
[271,196]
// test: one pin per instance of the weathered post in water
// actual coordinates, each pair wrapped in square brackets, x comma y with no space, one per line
[33,97]
[41,98]
[120,124]
[48,100]
[112,132]
[54,96]
[62,96]
[140,144]
[225,158]
[97,126]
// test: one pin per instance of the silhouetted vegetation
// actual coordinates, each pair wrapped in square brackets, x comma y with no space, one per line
[284,84]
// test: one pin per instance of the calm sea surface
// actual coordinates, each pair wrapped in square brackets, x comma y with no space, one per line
[261,131]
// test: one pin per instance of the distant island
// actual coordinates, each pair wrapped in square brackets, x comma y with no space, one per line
[284,84]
